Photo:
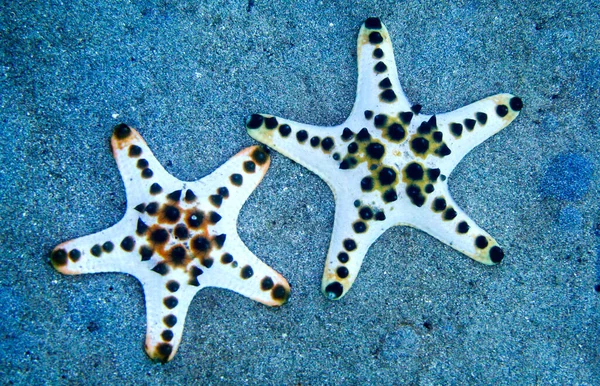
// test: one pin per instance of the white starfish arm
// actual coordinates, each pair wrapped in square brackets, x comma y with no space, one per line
[378,87]
[441,217]
[237,269]
[100,252]
[228,187]
[167,305]
[467,127]
[313,147]
[351,239]
[137,164]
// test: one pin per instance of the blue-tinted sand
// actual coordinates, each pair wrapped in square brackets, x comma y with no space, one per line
[185,74]
[568,177]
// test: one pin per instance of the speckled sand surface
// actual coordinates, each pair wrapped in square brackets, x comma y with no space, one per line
[185,73]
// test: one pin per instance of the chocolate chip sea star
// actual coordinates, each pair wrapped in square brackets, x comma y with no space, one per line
[387,164]
[176,238]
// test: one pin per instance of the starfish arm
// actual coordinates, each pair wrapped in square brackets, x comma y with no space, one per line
[441,217]
[231,265]
[167,305]
[237,269]
[378,87]
[100,252]
[139,168]
[467,127]
[350,242]
[228,187]
[313,147]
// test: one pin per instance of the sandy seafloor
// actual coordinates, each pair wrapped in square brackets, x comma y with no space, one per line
[185,73]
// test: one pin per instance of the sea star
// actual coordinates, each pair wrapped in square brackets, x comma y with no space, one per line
[387,164]
[176,238]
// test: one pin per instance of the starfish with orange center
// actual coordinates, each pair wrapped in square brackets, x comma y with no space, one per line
[176,238]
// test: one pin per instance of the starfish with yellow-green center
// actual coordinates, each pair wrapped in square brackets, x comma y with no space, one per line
[176,238]
[387,164]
